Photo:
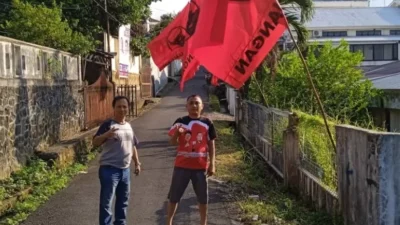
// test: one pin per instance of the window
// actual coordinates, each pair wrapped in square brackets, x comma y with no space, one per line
[377,52]
[45,63]
[38,62]
[65,65]
[17,59]
[368,52]
[368,33]
[8,64]
[23,63]
[334,33]
[394,32]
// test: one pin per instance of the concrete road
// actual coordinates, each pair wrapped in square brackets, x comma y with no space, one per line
[78,203]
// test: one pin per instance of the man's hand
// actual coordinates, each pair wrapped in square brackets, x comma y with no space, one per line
[179,130]
[137,169]
[110,133]
[99,140]
[211,170]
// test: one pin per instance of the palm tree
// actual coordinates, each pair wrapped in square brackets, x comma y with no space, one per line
[297,12]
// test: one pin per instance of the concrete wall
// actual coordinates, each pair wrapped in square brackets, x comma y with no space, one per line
[39,107]
[368,168]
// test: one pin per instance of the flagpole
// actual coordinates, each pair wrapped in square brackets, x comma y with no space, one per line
[314,89]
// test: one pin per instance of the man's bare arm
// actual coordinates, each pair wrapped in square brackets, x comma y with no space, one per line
[98,140]
[135,156]
[211,151]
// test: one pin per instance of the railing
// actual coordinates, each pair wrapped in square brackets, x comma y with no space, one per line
[129,91]
[263,128]
[274,135]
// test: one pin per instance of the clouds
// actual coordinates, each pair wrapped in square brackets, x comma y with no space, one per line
[166,6]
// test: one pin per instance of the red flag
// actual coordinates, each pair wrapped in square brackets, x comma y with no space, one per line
[214,80]
[170,44]
[252,29]
[213,12]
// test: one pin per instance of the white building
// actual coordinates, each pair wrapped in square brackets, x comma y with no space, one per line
[160,77]
[373,31]
[340,4]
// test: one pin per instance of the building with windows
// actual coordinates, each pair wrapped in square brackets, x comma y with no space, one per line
[340,3]
[374,31]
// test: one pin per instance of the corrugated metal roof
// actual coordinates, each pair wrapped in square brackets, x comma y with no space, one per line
[390,82]
[385,77]
[394,38]
[355,17]
[384,70]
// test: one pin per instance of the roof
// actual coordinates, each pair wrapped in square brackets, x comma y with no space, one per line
[385,77]
[340,0]
[153,20]
[394,38]
[384,70]
[390,82]
[355,17]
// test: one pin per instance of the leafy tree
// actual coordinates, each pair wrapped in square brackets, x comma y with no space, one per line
[88,16]
[164,21]
[141,37]
[342,88]
[44,26]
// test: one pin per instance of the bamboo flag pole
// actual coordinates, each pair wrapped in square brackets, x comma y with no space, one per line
[314,89]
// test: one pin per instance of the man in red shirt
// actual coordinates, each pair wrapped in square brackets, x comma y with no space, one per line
[194,135]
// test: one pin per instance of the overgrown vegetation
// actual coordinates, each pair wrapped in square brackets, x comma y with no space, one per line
[72,25]
[44,26]
[39,181]
[317,148]
[214,103]
[247,173]
[341,85]
[344,93]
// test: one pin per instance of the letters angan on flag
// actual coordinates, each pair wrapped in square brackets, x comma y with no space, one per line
[252,29]
[172,42]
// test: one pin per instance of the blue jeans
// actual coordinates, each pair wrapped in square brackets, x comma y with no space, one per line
[114,181]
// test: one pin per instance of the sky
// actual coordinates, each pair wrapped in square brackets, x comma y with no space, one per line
[174,6]
[166,6]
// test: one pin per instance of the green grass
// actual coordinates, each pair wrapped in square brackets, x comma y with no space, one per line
[241,167]
[214,103]
[315,143]
[44,182]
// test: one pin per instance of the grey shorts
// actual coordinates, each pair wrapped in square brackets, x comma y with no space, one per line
[180,181]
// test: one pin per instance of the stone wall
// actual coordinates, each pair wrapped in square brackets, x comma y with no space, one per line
[35,114]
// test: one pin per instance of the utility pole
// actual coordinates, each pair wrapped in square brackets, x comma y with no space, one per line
[108,27]
[108,41]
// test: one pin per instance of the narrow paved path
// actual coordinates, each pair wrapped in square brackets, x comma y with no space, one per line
[78,203]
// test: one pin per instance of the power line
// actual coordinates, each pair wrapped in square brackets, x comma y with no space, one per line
[63,8]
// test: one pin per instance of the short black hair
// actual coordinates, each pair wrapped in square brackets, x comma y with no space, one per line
[117,98]
[193,96]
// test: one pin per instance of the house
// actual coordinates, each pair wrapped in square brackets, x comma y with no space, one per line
[386,111]
[160,77]
[128,69]
[340,4]
[125,67]
[375,31]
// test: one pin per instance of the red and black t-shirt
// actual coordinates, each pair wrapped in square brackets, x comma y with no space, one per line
[198,132]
